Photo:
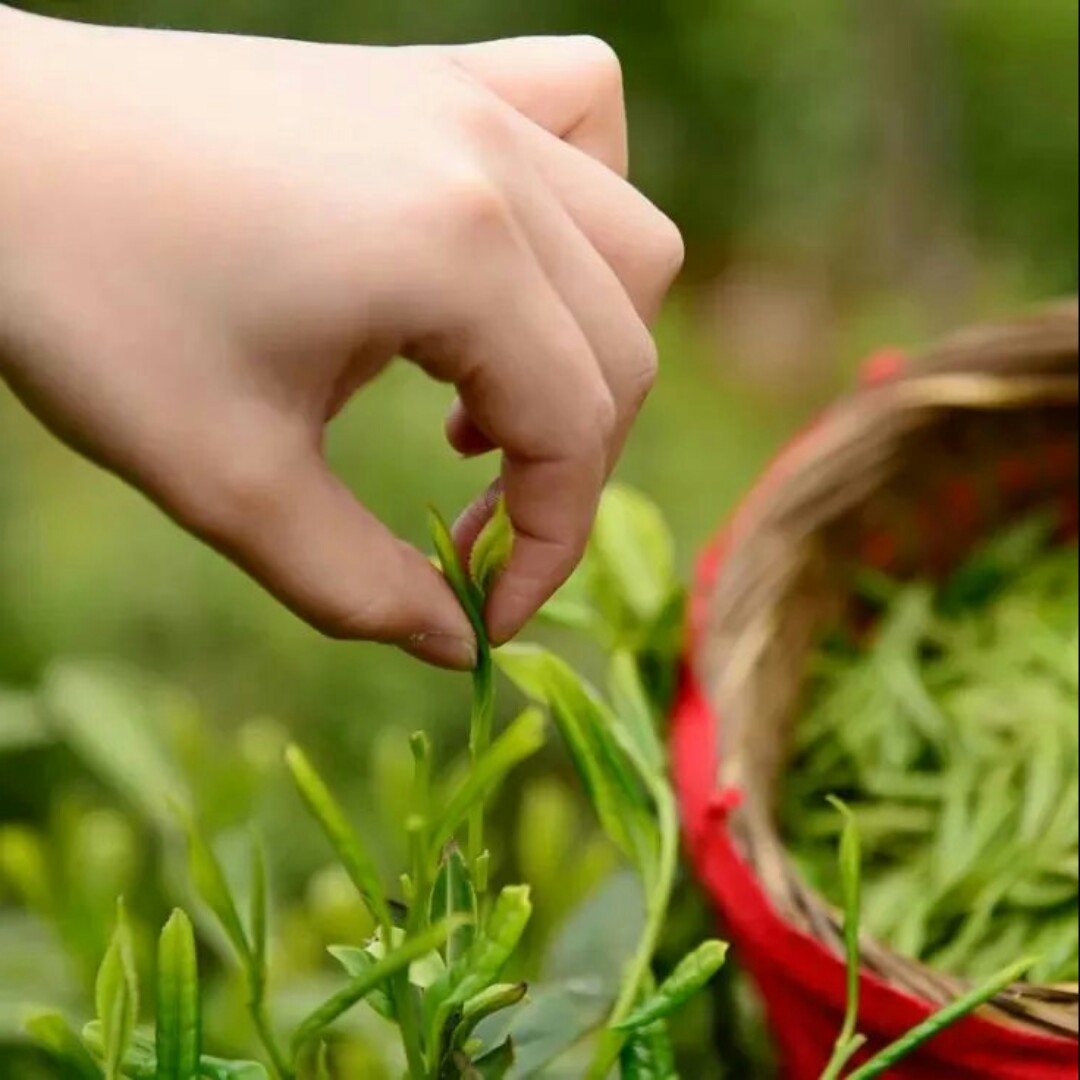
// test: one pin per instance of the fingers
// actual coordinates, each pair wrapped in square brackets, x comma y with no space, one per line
[637,240]
[620,340]
[302,534]
[568,95]
[531,384]
[571,87]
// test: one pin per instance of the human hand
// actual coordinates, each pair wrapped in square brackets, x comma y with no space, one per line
[209,244]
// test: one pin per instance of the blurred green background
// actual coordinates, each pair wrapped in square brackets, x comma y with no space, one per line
[849,174]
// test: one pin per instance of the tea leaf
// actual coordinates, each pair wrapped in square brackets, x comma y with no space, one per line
[140,1061]
[117,996]
[610,780]
[941,1021]
[217,1069]
[260,911]
[648,1055]
[483,963]
[213,887]
[357,962]
[328,813]
[687,981]
[179,1016]
[454,895]
[81,701]
[851,879]
[52,1032]
[468,595]
[497,1064]
[380,973]
[631,706]
[523,739]
[634,552]
[322,1063]
[485,1005]
[493,549]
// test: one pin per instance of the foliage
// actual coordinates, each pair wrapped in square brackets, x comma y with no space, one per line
[436,963]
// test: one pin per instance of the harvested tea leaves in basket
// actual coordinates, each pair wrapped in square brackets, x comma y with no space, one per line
[952,734]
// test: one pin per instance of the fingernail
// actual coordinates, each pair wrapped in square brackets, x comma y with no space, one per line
[443,650]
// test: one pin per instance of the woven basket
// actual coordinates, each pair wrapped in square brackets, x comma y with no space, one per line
[906,475]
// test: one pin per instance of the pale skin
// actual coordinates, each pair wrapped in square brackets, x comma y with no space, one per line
[209,244]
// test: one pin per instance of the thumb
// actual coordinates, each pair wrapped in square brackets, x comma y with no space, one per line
[306,538]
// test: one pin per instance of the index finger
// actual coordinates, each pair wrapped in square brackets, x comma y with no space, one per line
[572,87]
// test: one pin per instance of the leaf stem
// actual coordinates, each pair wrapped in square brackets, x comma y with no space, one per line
[482,725]
[639,973]
[261,1019]
[409,1023]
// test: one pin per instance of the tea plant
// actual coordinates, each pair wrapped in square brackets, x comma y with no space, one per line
[443,964]
[436,965]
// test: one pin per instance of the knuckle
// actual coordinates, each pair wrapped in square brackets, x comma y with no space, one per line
[479,117]
[604,65]
[477,206]
[647,369]
[599,420]
[669,251]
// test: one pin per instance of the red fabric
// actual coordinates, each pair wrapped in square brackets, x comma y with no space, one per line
[804,984]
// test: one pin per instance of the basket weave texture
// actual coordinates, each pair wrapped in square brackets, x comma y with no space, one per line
[906,475]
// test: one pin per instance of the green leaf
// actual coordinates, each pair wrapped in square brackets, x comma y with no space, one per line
[648,1055]
[260,911]
[454,895]
[52,1032]
[941,1021]
[213,887]
[610,779]
[398,961]
[424,972]
[357,962]
[520,741]
[851,882]
[849,1041]
[117,996]
[216,1069]
[687,981]
[322,1063]
[488,1003]
[634,554]
[326,810]
[635,715]
[497,1064]
[468,595]
[484,962]
[140,1061]
[179,1014]
[81,701]
[493,549]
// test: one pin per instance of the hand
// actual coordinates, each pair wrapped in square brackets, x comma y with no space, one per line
[208,244]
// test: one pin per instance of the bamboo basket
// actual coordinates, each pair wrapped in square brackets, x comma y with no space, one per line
[906,475]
